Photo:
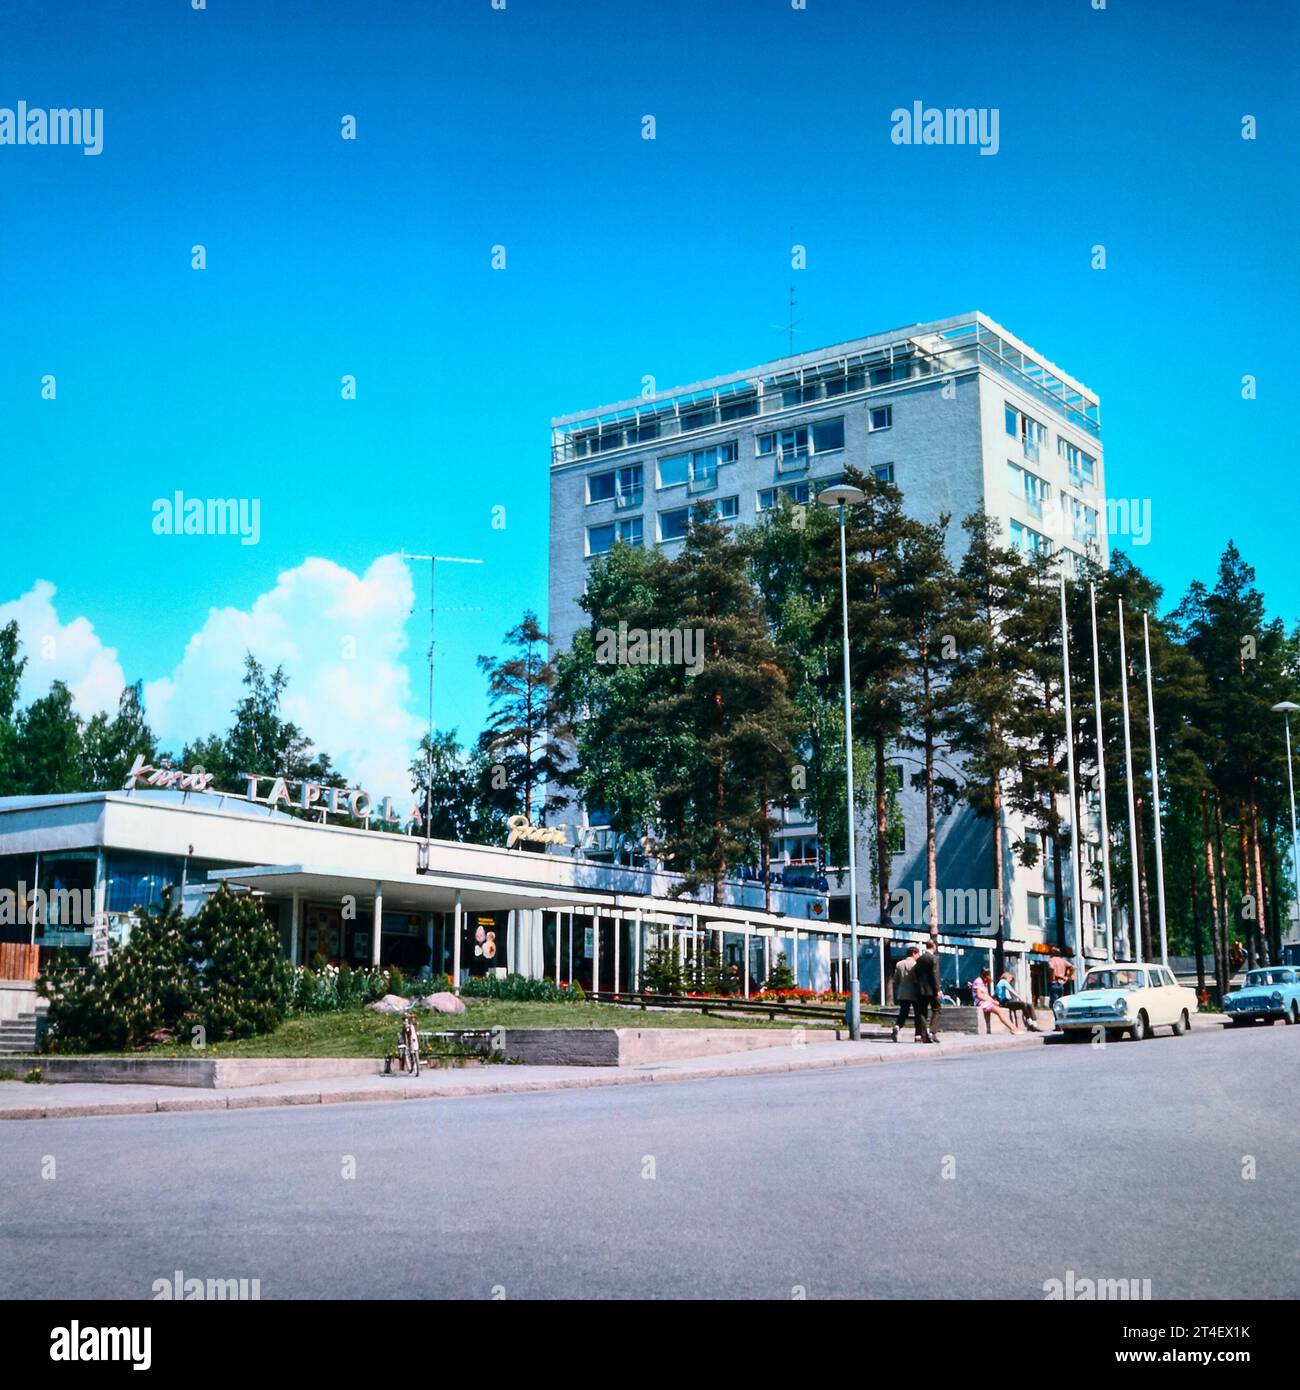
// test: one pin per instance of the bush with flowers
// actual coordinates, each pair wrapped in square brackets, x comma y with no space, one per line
[219,971]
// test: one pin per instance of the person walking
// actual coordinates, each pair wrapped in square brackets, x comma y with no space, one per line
[925,977]
[905,989]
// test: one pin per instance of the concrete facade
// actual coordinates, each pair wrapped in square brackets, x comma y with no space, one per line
[953,447]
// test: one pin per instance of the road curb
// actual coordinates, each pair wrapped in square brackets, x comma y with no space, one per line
[648,1075]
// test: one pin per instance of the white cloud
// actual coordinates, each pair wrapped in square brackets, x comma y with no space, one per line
[55,651]
[340,638]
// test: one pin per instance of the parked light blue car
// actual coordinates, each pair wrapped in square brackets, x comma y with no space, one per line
[1269,993]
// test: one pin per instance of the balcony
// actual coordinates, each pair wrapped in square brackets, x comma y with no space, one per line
[703,481]
[632,497]
[1031,448]
[793,462]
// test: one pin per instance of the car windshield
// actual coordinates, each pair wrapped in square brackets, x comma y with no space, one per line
[1271,977]
[1115,979]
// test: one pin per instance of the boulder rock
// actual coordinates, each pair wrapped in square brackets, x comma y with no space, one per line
[443,1003]
[390,1004]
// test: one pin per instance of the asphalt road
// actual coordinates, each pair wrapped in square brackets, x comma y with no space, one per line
[976,1177]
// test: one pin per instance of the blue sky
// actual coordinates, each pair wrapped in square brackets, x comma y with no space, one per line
[625,257]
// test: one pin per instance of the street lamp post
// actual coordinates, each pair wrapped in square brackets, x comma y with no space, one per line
[840,498]
[1286,709]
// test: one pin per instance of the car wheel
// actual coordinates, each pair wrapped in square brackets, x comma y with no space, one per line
[1294,1015]
[1242,1022]
[1141,1030]
[1182,1025]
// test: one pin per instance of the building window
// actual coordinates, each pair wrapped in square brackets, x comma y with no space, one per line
[698,419]
[1031,433]
[699,468]
[799,395]
[1032,490]
[602,539]
[1084,518]
[1029,541]
[739,408]
[882,417]
[884,472]
[827,436]
[621,485]
[674,525]
[1083,467]
[798,494]
[841,383]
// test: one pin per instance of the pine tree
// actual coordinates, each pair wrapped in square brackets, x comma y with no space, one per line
[524,741]
[733,709]
[992,582]
[110,746]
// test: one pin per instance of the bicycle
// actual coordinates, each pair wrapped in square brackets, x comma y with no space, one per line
[408,1046]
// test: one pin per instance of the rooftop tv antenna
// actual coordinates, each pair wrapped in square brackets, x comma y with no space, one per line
[434,561]
[792,323]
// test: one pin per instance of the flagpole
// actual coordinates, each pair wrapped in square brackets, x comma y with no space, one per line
[1135,922]
[1074,805]
[1155,799]
[1101,780]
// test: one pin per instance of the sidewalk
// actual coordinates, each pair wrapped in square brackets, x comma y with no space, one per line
[19,1101]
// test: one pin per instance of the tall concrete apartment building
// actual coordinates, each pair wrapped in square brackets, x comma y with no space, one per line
[958,413]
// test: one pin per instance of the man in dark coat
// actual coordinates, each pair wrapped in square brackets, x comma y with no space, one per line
[925,977]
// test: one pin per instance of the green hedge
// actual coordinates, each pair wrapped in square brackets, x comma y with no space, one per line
[521,988]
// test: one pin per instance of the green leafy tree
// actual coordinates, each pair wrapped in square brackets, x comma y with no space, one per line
[48,745]
[448,785]
[12,665]
[110,745]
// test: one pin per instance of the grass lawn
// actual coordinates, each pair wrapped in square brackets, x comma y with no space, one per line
[362,1033]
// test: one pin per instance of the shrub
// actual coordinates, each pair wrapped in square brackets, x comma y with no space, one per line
[219,970]
[781,980]
[396,980]
[663,972]
[519,987]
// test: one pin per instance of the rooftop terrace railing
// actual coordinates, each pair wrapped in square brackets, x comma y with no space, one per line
[956,350]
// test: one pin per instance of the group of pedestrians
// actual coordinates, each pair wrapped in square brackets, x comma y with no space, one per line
[917,990]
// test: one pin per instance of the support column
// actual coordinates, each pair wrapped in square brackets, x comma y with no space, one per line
[618,937]
[794,951]
[457,925]
[295,917]
[559,933]
[744,970]
[378,925]
[884,965]
[428,932]
[595,950]
[638,952]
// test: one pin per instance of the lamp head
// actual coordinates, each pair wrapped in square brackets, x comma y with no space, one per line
[841,495]
[1286,707]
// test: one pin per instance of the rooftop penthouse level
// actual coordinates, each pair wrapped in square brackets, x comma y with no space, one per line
[881,362]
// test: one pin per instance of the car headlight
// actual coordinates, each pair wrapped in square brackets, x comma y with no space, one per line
[1121,1005]
[1277,996]
[1059,1007]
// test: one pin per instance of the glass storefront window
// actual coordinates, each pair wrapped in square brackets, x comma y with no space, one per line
[138,880]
